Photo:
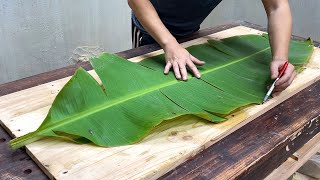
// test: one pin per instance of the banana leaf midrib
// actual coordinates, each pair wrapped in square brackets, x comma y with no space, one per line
[114,102]
[233,62]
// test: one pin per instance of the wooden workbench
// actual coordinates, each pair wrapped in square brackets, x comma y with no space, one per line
[262,145]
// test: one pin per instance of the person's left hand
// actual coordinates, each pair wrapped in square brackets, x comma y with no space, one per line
[286,78]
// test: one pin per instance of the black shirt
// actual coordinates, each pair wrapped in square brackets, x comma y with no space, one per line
[181,17]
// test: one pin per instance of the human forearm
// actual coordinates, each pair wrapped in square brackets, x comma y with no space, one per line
[150,20]
[279,27]
[177,58]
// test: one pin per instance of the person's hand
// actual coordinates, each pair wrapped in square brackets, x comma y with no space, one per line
[286,78]
[179,59]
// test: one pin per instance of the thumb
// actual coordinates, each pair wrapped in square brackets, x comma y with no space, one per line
[274,70]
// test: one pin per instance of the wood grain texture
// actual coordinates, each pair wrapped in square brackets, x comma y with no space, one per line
[284,130]
[291,165]
[174,136]
[16,164]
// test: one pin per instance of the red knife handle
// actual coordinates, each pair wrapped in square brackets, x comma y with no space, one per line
[284,67]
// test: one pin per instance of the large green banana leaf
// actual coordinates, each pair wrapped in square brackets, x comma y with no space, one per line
[138,96]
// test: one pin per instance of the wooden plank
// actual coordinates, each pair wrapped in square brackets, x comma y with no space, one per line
[291,165]
[255,150]
[162,150]
[17,164]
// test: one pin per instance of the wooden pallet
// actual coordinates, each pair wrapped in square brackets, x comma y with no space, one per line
[167,146]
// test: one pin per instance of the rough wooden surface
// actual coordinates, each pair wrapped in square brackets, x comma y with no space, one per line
[30,82]
[284,130]
[16,164]
[292,164]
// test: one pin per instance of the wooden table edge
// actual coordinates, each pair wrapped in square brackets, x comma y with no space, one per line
[279,133]
[299,158]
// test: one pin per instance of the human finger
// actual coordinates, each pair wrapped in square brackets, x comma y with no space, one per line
[286,84]
[274,69]
[167,68]
[286,76]
[183,70]
[194,69]
[176,70]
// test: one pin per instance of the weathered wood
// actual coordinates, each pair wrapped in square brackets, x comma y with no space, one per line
[293,163]
[253,151]
[17,164]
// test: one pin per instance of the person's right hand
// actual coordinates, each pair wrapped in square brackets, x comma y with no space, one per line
[286,79]
[179,59]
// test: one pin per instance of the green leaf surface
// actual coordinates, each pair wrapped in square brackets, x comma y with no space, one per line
[138,96]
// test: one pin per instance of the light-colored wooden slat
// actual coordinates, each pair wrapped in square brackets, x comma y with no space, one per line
[293,164]
[164,148]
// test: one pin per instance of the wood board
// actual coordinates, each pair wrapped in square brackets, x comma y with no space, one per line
[299,159]
[167,146]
